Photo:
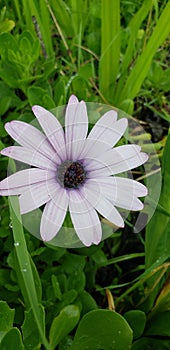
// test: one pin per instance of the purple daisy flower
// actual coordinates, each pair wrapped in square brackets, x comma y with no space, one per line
[73,171]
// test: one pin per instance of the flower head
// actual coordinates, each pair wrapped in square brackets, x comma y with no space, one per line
[74,171]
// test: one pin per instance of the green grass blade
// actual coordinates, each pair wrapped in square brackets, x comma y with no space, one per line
[41,13]
[133,28]
[25,265]
[158,229]
[17,8]
[110,47]
[140,70]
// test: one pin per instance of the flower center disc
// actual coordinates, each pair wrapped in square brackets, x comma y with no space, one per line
[71,175]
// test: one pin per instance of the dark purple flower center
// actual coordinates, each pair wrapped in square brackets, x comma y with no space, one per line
[71,174]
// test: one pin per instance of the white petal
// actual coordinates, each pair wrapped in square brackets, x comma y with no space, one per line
[37,195]
[115,161]
[16,183]
[30,137]
[76,124]
[29,156]
[85,220]
[52,129]
[123,192]
[91,192]
[53,215]
[108,130]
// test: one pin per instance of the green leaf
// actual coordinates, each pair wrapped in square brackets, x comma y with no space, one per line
[63,324]
[6,316]
[12,340]
[77,281]
[102,329]
[30,331]
[137,321]
[73,262]
[7,25]
[7,41]
[56,287]
[25,45]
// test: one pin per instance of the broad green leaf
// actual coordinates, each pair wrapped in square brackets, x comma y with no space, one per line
[137,321]
[158,229]
[102,329]
[31,336]
[87,302]
[6,316]
[63,324]
[12,340]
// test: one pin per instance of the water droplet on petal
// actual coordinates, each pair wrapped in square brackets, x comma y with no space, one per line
[16,244]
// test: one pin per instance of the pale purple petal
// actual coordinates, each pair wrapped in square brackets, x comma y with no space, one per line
[53,215]
[12,191]
[29,156]
[52,129]
[30,137]
[81,148]
[115,161]
[76,124]
[18,182]
[85,220]
[92,193]
[122,192]
[37,195]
